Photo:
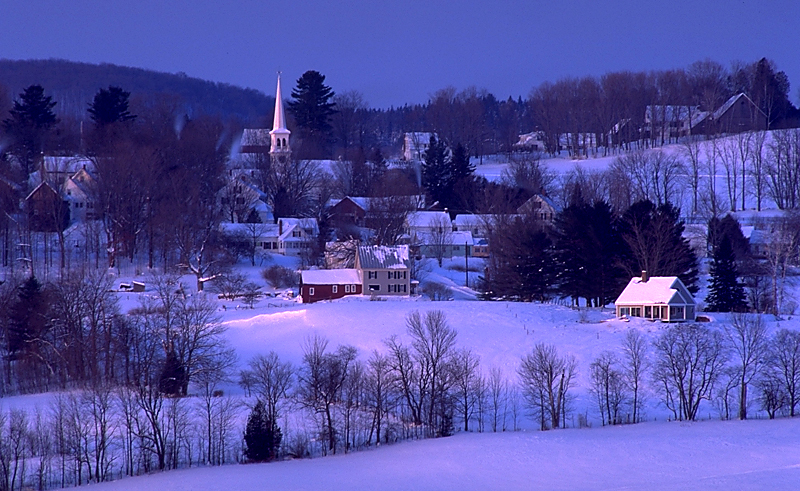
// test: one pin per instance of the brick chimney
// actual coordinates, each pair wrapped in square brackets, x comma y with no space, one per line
[644,276]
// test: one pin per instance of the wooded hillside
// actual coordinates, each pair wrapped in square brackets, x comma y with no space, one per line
[73,85]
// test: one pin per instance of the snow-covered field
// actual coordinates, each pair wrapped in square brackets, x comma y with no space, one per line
[731,455]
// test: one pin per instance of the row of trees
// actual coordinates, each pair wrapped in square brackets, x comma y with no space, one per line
[73,332]
[427,387]
[589,253]
[338,124]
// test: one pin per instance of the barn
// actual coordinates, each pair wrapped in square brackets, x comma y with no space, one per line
[329,284]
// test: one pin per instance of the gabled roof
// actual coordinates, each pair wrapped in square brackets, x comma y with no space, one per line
[309,225]
[360,201]
[42,187]
[730,102]
[656,290]
[383,257]
[330,277]
[427,219]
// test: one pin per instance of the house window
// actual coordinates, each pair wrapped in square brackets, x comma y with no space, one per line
[372,275]
[311,290]
[347,288]
[636,311]
[374,288]
[676,312]
[335,288]
[624,311]
[295,233]
[647,312]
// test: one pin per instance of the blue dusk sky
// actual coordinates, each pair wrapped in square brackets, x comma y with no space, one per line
[402,52]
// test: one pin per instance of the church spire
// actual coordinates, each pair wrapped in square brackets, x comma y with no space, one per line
[279,136]
[279,122]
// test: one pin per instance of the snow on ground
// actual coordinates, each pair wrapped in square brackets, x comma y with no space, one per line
[749,455]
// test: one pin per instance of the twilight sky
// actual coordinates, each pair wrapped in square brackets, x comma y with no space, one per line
[397,52]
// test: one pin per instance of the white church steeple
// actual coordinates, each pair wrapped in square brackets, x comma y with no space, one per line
[279,136]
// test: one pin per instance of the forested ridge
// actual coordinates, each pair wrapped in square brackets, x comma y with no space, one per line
[73,85]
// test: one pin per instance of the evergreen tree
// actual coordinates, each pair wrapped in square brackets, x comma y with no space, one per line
[436,171]
[262,436]
[173,375]
[588,253]
[312,109]
[726,294]
[521,266]
[653,241]
[32,118]
[462,183]
[728,227]
[110,106]
[29,320]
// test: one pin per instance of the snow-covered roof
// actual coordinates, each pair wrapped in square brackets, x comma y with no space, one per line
[383,257]
[309,225]
[419,219]
[471,221]
[656,290]
[330,277]
[262,229]
[360,201]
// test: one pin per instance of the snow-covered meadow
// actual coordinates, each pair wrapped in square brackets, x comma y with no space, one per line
[718,455]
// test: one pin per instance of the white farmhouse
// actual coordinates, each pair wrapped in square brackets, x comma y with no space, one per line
[662,298]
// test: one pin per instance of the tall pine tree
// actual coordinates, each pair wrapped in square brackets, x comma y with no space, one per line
[312,108]
[726,294]
[31,120]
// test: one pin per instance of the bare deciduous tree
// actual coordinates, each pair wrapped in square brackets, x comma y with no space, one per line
[608,387]
[635,364]
[746,337]
[689,360]
[784,366]
[546,378]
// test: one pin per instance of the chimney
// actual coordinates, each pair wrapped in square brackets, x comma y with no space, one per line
[644,276]
[280,227]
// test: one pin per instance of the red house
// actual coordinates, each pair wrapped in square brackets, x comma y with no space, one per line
[328,284]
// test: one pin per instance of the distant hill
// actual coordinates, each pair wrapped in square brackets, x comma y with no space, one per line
[73,85]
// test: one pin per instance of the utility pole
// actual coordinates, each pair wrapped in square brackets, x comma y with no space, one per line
[466,265]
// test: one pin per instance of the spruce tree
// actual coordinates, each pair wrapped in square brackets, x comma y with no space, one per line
[32,117]
[436,170]
[110,106]
[726,294]
[262,437]
[312,109]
